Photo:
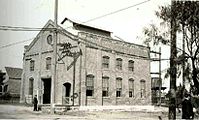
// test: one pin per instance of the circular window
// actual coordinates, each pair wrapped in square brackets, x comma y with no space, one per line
[50,39]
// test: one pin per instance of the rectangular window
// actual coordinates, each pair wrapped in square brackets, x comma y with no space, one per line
[119,63]
[105,86]
[131,65]
[31,82]
[143,87]
[105,62]
[131,88]
[32,65]
[118,87]
[89,85]
[48,63]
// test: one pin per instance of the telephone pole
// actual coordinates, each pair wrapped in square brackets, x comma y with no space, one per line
[160,79]
[173,69]
[159,82]
[54,72]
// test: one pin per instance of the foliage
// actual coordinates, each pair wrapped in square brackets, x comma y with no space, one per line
[187,18]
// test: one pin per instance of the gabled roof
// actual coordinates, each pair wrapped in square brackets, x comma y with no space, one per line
[14,72]
[80,26]
[50,22]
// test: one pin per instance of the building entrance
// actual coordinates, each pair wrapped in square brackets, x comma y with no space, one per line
[47,90]
[66,97]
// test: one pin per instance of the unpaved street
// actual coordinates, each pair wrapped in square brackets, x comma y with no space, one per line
[22,112]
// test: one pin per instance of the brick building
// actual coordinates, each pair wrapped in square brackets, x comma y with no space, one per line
[107,71]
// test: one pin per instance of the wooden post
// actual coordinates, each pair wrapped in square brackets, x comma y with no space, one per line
[173,69]
[54,72]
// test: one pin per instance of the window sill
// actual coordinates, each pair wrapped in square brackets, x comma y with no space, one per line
[90,97]
[106,97]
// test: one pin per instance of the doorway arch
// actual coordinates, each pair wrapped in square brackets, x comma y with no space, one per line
[67,93]
[67,89]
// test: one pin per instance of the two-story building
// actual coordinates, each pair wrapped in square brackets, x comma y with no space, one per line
[91,67]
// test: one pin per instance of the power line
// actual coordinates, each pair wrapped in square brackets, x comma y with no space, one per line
[10,28]
[113,12]
[16,28]
[12,44]
[116,11]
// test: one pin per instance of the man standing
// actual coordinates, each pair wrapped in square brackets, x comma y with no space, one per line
[187,108]
[35,102]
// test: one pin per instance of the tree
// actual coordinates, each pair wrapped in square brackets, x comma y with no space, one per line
[187,19]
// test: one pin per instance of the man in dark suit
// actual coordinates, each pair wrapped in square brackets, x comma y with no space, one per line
[187,108]
[35,102]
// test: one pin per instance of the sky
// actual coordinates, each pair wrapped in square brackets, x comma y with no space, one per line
[127,24]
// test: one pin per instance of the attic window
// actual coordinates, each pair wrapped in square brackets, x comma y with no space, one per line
[49,39]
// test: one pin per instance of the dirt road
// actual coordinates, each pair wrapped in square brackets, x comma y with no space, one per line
[23,112]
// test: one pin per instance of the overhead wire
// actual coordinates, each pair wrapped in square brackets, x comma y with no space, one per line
[12,44]
[116,11]
[92,19]
[47,29]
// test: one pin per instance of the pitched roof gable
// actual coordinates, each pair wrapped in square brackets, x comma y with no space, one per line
[50,22]
[14,72]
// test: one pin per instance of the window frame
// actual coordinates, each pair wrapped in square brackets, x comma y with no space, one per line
[131,65]
[90,85]
[48,63]
[105,61]
[31,86]
[32,65]
[119,63]
[105,86]
[142,88]
[118,87]
[131,87]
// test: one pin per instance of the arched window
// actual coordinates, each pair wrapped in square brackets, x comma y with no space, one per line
[31,86]
[105,86]
[105,62]
[32,65]
[131,65]
[119,63]
[118,87]
[48,63]
[131,87]
[89,85]
[142,88]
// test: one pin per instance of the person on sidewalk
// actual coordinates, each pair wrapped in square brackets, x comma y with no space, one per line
[35,102]
[187,108]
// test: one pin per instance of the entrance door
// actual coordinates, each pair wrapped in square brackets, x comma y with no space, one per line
[47,90]
[66,98]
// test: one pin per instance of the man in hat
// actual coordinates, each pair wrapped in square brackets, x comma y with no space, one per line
[187,108]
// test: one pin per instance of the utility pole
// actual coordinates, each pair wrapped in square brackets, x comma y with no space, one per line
[183,47]
[54,72]
[160,80]
[74,69]
[173,70]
